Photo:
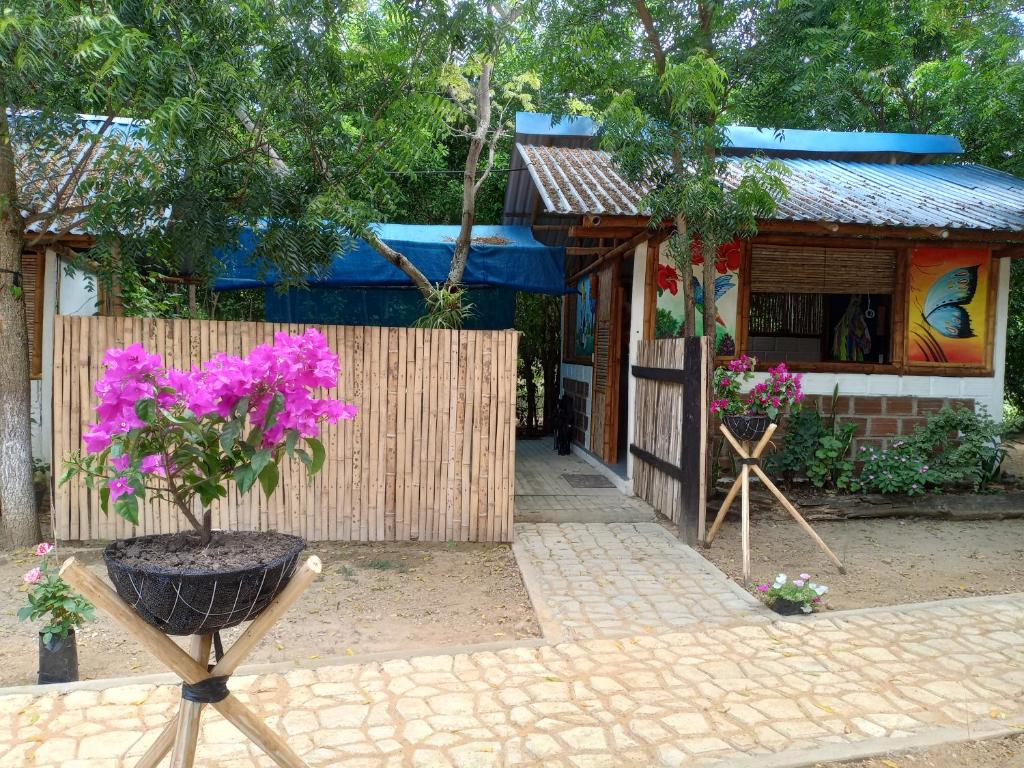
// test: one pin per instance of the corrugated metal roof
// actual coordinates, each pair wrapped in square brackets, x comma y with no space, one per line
[578,181]
[45,164]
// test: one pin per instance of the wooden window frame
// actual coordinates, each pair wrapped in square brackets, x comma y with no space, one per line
[898,366]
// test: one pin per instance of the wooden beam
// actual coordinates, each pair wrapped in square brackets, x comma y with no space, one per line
[579,232]
[930,234]
[585,251]
[614,253]
[1015,252]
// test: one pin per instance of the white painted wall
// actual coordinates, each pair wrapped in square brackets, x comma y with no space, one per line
[65,291]
[636,335]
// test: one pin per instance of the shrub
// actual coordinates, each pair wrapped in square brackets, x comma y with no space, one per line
[816,447]
[957,447]
[50,598]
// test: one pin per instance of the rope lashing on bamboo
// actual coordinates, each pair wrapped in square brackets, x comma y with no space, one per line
[212,689]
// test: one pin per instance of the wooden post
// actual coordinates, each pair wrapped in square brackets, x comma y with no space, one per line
[183,730]
[693,461]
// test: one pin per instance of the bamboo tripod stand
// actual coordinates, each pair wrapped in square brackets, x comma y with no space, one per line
[751,462]
[182,732]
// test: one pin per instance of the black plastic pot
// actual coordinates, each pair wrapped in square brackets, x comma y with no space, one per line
[58,659]
[193,602]
[786,607]
[746,427]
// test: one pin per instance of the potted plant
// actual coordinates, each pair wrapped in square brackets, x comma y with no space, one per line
[747,414]
[790,598]
[183,436]
[51,599]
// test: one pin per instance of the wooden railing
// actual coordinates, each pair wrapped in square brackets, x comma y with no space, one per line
[431,455]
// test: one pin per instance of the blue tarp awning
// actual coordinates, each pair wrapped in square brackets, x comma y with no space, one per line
[500,256]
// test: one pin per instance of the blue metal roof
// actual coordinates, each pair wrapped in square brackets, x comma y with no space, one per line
[743,139]
[577,181]
[499,256]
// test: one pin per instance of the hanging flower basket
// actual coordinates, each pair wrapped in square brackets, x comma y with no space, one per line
[193,600]
[746,426]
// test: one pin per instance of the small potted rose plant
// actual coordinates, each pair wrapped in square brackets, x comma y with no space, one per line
[747,410]
[50,598]
[789,597]
[183,437]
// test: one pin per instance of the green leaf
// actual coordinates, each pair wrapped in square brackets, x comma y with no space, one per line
[146,409]
[260,459]
[105,500]
[127,506]
[319,454]
[269,478]
[290,440]
[25,612]
[229,435]
[70,472]
[245,477]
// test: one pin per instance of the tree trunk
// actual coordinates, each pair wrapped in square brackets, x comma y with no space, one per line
[552,392]
[710,303]
[469,181]
[684,263]
[531,392]
[17,495]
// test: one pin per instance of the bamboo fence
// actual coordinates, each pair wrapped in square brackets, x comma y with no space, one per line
[430,457]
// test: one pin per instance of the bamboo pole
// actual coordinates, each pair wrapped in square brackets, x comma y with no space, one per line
[186,735]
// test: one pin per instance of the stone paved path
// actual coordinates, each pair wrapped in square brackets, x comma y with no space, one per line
[544,495]
[714,696]
[623,579]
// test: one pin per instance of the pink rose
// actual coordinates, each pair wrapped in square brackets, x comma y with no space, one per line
[33,577]
[44,548]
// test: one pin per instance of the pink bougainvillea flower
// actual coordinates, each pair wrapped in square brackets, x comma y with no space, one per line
[44,548]
[121,463]
[95,439]
[33,577]
[153,465]
[119,487]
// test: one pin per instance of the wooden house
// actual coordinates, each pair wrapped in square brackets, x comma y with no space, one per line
[884,273]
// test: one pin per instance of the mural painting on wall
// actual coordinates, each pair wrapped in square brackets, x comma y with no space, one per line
[669,320]
[586,307]
[949,306]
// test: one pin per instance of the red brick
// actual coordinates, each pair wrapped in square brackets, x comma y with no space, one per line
[926,405]
[867,406]
[882,426]
[899,406]
[862,425]
[844,404]
[908,425]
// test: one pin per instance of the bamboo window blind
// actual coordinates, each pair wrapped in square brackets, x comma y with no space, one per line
[793,269]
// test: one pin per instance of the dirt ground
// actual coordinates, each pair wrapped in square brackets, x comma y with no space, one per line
[371,597]
[888,561]
[995,753]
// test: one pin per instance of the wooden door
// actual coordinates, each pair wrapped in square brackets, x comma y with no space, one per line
[604,416]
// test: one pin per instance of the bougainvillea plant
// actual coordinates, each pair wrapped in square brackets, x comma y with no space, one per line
[781,390]
[50,598]
[801,591]
[183,435]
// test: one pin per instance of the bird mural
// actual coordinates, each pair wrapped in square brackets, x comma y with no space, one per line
[723,284]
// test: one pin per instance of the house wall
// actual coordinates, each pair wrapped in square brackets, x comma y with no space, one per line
[65,291]
[576,382]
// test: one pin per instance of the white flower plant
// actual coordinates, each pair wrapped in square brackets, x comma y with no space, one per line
[801,591]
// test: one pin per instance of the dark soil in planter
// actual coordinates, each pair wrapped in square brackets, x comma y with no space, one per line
[182,587]
[227,551]
[785,607]
[58,659]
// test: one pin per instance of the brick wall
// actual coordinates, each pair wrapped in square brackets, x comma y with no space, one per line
[880,419]
[579,391]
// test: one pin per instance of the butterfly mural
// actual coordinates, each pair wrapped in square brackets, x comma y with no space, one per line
[944,304]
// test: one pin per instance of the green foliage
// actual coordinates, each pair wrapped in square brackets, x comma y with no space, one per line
[816,447]
[956,448]
[446,308]
[665,325]
[50,598]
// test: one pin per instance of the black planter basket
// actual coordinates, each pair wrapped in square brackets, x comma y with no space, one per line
[746,427]
[183,602]
[785,607]
[58,659]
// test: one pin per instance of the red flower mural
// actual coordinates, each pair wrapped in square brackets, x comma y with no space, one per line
[668,279]
[726,260]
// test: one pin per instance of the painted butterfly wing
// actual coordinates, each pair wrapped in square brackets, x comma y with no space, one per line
[951,321]
[956,287]
[722,286]
[943,306]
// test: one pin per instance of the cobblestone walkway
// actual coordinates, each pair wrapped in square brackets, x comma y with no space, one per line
[717,696]
[623,579]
